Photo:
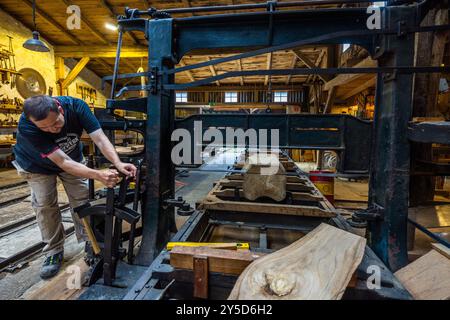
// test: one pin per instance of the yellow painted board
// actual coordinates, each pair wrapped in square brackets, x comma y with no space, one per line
[218,245]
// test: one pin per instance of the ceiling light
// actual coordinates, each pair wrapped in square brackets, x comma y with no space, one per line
[110,26]
[34,43]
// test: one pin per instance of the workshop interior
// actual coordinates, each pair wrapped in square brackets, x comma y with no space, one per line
[284,150]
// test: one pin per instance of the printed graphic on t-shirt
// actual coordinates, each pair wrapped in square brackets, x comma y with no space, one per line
[68,143]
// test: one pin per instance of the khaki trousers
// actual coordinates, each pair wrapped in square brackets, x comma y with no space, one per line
[44,200]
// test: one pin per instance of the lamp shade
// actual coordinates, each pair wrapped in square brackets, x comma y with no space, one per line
[35,44]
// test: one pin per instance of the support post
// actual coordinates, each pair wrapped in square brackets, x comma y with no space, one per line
[389,185]
[158,220]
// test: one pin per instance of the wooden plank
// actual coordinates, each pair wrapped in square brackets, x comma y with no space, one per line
[57,288]
[100,51]
[319,266]
[441,249]
[219,260]
[75,72]
[427,278]
[346,78]
[268,67]
[60,74]
[358,89]
[201,272]
[213,203]
[310,64]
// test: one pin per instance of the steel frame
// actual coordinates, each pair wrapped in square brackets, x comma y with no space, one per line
[392,46]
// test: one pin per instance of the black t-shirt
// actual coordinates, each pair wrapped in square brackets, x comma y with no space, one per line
[33,145]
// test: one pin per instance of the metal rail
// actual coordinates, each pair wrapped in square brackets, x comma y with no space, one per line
[270,5]
[432,235]
[28,252]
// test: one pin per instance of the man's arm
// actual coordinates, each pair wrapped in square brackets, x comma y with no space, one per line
[108,177]
[108,150]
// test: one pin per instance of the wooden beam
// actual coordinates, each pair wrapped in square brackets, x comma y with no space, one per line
[100,51]
[310,64]
[51,21]
[60,74]
[345,78]
[330,100]
[293,63]
[317,63]
[188,72]
[74,72]
[91,28]
[220,260]
[268,67]
[213,71]
[239,65]
[360,88]
[105,64]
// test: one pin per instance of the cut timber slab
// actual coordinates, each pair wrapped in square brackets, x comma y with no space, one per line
[260,180]
[319,266]
[219,260]
[427,278]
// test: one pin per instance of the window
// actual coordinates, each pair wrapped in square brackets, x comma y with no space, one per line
[231,97]
[181,97]
[280,96]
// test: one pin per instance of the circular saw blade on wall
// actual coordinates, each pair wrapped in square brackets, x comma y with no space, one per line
[30,83]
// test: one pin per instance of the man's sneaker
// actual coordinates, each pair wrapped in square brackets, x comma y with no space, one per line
[51,265]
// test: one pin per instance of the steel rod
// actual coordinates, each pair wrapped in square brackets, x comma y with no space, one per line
[429,233]
[253,6]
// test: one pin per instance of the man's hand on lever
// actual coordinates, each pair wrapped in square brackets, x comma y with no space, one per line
[128,169]
[109,177]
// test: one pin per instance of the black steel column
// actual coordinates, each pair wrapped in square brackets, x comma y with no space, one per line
[389,187]
[160,179]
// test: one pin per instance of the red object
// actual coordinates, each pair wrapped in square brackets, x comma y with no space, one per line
[324,184]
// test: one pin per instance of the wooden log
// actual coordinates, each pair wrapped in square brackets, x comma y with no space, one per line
[264,179]
[427,278]
[319,266]
[219,260]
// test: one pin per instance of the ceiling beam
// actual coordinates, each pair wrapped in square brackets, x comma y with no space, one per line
[51,21]
[105,64]
[268,67]
[346,78]
[239,65]
[317,63]
[187,72]
[364,86]
[100,51]
[91,28]
[293,63]
[74,72]
[213,70]
[310,64]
